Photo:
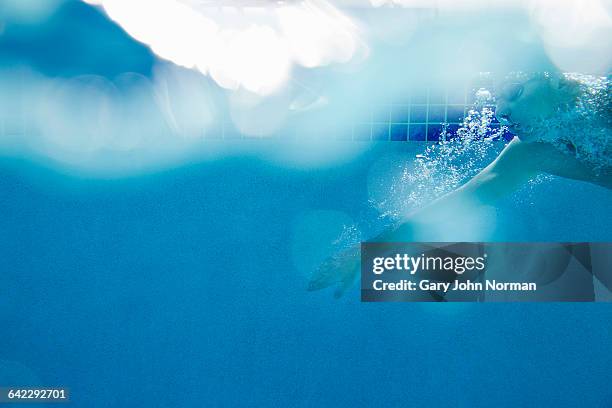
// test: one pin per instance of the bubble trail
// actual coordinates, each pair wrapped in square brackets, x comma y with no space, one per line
[444,166]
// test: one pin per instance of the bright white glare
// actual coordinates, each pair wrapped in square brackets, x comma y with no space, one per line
[444,4]
[577,34]
[252,51]
[307,28]
[250,48]
[134,123]
[87,102]
[254,115]
[92,123]
[246,63]
[185,100]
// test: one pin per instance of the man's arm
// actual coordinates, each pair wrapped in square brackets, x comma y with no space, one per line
[559,164]
[515,165]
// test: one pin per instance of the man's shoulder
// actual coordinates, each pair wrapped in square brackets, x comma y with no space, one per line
[533,150]
[534,157]
[526,151]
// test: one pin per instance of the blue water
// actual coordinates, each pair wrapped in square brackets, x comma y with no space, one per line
[183,287]
[179,289]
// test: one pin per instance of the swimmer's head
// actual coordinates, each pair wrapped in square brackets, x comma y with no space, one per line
[525,101]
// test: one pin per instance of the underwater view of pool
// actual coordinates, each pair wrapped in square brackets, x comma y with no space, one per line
[190,285]
[162,214]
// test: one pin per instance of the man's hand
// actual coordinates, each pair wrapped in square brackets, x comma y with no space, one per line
[340,269]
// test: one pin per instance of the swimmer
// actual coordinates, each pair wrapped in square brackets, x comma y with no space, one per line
[563,127]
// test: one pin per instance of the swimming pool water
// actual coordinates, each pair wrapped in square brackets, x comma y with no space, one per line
[181,288]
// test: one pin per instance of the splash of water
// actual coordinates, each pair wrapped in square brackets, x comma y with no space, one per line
[582,128]
[443,167]
[348,237]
